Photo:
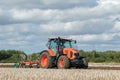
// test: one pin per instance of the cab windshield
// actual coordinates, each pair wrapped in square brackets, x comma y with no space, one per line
[69,44]
[63,44]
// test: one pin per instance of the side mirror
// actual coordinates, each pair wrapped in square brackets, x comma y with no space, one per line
[48,45]
[75,41]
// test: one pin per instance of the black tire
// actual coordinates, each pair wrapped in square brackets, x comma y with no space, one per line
[65,62]
[23,66]
[30,66]
[85,63]
[38,66]
[48,61]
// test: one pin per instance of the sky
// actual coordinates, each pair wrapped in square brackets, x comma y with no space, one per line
[26,25]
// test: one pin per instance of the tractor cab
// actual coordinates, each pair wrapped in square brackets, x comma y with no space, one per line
[58,44]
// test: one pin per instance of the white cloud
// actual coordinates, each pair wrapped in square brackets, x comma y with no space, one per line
[92,26]
[93,37]
[37,15]
[116,27]
[106,8]
[106,3]
[14,43]
[28,24]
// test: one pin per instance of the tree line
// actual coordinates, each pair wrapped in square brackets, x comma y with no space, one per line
[12,56]
[101,57]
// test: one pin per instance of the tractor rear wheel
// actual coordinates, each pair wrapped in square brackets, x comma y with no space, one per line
[85,63]
[63,62]
[45,60]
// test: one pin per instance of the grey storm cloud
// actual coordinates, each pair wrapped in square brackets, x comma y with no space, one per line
[47,4]
[27,24]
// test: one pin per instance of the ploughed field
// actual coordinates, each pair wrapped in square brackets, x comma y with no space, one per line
[102,66]
[58,74]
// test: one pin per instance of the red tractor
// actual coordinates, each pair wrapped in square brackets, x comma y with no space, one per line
[62,53]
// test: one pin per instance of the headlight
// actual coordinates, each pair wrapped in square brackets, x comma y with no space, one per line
[76,54]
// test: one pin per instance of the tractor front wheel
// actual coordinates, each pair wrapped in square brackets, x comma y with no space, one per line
[85,63]
[63,62]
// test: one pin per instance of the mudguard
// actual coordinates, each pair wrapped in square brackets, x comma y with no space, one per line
[49,51]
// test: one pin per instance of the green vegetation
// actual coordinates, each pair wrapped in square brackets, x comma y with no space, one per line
[102,57]
[35,56]
[95,56]
[10,56]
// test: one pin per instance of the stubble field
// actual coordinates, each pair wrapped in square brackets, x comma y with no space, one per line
[58,74]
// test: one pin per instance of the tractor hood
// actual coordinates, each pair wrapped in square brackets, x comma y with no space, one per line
[70,52]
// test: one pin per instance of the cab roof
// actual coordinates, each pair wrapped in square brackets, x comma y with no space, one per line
[62,39]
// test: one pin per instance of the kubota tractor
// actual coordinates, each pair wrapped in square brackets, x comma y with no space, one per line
[62,53]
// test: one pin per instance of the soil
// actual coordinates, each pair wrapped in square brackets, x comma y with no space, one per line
[90,67]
